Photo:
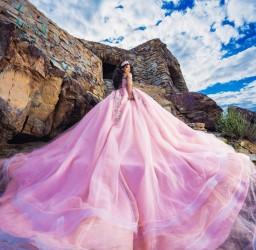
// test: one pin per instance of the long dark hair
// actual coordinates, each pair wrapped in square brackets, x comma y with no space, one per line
[118,74]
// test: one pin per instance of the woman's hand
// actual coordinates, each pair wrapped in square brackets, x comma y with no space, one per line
[130,96]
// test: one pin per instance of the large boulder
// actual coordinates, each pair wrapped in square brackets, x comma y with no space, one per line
[34,74]
[197,107]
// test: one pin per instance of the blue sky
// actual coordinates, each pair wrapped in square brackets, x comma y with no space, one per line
[214,41]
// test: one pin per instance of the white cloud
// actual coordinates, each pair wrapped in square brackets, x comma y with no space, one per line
[72,16]
[244,98]
[236,67]
[225,33]
[241,11]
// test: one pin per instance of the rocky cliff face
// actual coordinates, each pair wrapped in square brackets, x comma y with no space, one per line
[49,79]
[45,84]
[153,64]
[36,98]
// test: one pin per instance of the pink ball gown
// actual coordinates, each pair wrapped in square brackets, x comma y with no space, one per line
[129,175]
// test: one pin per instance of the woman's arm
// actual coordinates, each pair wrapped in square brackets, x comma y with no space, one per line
[129,87]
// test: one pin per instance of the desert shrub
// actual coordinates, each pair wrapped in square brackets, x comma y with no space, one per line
[232,124]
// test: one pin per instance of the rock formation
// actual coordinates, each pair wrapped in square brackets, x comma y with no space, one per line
[153,63]
[44,87]
[49,79]
[190,105]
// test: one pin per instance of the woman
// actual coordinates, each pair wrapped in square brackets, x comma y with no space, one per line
[129,175]
[123,71]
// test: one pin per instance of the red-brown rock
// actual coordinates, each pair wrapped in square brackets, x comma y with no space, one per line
[197,107]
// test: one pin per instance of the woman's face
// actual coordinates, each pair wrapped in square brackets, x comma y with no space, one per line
[127,68]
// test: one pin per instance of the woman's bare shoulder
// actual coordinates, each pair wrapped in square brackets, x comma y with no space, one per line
[125,75]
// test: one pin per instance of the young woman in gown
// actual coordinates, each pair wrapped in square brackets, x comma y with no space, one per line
[128,176]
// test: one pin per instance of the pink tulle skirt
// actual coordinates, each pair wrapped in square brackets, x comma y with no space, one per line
[129,175]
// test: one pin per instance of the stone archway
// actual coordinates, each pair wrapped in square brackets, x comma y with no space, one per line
[108,70]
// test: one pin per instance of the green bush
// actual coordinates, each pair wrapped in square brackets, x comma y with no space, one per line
[232,124]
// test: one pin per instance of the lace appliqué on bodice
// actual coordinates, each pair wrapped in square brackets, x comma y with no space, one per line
[121,97]
[117,106]
[118,101]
